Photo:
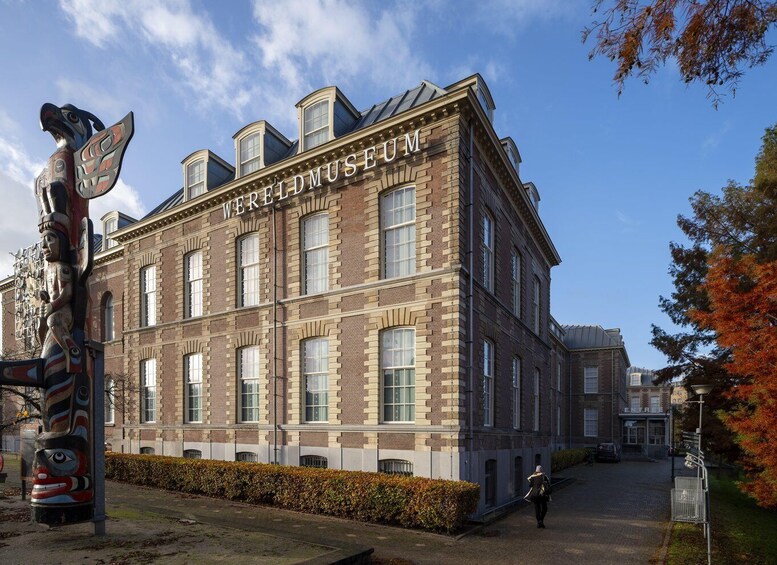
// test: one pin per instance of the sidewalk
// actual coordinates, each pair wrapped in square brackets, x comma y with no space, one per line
[612,513]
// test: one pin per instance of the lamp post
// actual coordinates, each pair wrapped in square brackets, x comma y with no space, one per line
[701,390]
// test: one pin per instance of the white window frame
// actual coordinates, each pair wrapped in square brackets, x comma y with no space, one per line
[248,257]
[516,266]
[250,156]
[636,379]
[591,380]
[315,370]
[148,296]
[196,173]
[400,229]
[315,128]
[635,403]
[488,383]
[537,381]
[536,303]
[488,251]
[591,422]
[193,275]
[559,372]
[110,226]
[194,388]
[248,370]
[246,457]
[315,253]
[397,360]
[148,391]
[110,400]
[108,325]
[517,393]
[655,404]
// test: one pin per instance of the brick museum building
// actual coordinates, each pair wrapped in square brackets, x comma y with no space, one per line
[373,295]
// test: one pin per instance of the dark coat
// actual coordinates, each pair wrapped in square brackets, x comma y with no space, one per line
[535,481]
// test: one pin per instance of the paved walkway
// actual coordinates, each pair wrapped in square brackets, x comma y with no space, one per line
[612,513]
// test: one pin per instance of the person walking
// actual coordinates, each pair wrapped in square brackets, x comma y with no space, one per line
[539,494]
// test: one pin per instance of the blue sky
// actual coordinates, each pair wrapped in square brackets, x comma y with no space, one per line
[613,173]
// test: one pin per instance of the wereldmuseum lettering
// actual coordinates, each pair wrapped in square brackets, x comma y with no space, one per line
[315,178]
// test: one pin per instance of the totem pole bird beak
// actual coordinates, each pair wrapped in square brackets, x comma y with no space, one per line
[65,125]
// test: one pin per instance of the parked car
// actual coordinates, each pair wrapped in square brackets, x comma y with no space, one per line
[608,452]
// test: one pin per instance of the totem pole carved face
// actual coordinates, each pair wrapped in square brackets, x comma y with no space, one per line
[52,246]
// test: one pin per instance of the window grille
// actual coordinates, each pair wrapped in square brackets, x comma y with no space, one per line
[395,467]
[316,461]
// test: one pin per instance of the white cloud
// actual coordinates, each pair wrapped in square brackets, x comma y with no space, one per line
[20,211]
[338,42]
[122,197]
[20,219]
[206,62]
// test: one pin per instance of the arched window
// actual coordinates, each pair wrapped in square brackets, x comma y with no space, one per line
[108,334]
[248,270]
[398,373]
[313,461]
[248,375]
[193,376]
[488,383]
[315,258]
[395,467]
[397,219]
[490,480]
[315,369]
[488,252]
[147,451]
[246,456]
[193,288]
[192,454]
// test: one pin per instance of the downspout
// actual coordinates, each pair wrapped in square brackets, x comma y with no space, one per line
[274,339]
[470,302]
[614,413]
[569,401]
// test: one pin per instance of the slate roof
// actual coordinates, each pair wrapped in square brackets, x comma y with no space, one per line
[421,94]
[647,376]
[591,337]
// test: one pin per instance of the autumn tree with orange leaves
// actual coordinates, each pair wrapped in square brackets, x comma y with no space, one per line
[725,300]
[743,313]
[711,40]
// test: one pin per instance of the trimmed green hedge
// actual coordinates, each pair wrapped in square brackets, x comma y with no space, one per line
[560,460]
[411,502]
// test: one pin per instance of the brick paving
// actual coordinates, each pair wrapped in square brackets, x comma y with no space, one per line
[612,513]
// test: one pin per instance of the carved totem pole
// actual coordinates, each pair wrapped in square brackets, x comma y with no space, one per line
[84,166]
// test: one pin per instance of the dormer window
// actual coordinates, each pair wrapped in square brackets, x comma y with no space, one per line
[512,153]
[110,227]
[203,171]
[258,145]
[317,124]
[112,222]
[324,115]
[249,154]
[195,179]
[484,97]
